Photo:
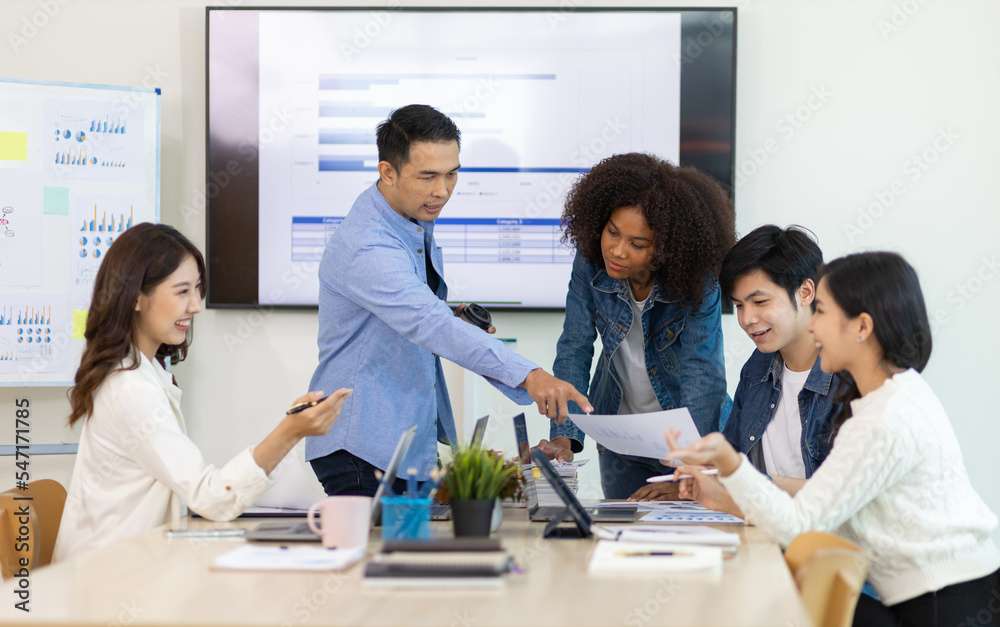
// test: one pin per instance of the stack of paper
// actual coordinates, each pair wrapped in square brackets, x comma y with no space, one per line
[537,488]
[641,558]
[674,534]
[439,563]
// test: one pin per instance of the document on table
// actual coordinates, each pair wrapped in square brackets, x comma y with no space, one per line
[638,434]
[300,558]
[675,534]
[685,512]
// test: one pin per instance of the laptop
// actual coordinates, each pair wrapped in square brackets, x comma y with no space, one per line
[300,531]
[442,511]
[583,517]
[543,513]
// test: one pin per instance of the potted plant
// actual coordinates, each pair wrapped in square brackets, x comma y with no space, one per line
[473,483]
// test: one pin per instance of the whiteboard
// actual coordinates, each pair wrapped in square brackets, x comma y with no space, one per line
[79,165]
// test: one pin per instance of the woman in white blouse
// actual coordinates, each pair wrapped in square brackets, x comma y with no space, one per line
[895,481]
[136,467]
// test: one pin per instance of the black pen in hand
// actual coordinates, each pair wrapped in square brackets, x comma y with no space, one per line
[297,407]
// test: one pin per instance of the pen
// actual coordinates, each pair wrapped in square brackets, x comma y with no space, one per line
[653,554]
[674,477]
[386,483]
[297,407]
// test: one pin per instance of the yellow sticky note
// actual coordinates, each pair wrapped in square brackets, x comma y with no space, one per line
[79,324]
[13,146]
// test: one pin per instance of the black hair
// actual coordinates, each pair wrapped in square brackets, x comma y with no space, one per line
[412,123]
[787,256]
[886,287]
[691,217]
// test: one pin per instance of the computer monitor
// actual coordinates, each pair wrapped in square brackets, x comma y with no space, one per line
[392,470]
[523,445]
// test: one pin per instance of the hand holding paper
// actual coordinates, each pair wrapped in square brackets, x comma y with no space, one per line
[639,434]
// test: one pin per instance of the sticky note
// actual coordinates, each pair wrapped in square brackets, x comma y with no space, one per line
[13,146]
[55,201]
[79,324]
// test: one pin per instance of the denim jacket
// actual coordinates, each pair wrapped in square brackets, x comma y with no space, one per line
[756,399]
[683,348]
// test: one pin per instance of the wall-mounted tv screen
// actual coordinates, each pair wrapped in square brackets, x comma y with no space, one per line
[540,95]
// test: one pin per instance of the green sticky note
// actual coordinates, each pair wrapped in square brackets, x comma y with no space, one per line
[13,146]
[55,201]
[79,324]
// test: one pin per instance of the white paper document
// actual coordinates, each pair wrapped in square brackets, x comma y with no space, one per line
[20,228]
[638,434]
[685,512]
[34,333]
[675,534]
[274,557]
[642,558]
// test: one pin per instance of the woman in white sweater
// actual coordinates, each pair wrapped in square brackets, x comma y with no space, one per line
[895,481]
[136,467]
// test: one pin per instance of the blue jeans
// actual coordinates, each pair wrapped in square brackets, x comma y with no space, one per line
[341,473]
[622,475]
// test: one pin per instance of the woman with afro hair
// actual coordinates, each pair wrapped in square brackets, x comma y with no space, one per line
[649,238]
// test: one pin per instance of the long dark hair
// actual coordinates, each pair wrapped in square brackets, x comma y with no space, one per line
[885,287]
[139,260]
[691,217]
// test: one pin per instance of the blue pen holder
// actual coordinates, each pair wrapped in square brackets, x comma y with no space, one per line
[405,518]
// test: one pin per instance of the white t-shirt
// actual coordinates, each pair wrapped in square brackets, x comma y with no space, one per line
[638,396]
[782,441]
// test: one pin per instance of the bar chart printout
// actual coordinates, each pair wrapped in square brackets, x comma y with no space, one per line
[97,220]
[33,332]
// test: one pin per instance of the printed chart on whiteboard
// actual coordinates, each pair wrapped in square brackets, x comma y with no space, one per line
[30,332]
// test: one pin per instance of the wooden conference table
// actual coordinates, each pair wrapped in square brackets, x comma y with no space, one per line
[155,580]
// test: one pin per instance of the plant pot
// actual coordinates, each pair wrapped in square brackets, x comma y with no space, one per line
[472,517]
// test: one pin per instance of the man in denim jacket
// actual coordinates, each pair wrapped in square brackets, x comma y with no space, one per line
[784,404]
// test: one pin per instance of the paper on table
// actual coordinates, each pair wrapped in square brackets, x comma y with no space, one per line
[611,557]
[638,434]
[687,512]
[676,534]
[257,557]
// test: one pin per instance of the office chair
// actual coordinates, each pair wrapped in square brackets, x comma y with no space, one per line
[44,515]
[829,572]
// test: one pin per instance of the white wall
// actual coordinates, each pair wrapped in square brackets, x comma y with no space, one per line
[895,76]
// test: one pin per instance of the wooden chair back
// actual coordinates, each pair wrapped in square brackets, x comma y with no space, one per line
[829,572]
[29,524]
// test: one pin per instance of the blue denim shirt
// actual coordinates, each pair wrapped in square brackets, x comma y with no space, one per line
[756,400]
[683,348]
[382,332]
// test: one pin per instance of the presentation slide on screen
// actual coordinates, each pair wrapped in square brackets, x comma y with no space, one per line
[538,103]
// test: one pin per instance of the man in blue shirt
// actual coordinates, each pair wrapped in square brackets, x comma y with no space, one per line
[384,323]
[784,403]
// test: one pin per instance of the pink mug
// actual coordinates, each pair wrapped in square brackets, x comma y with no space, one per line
[345,521]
